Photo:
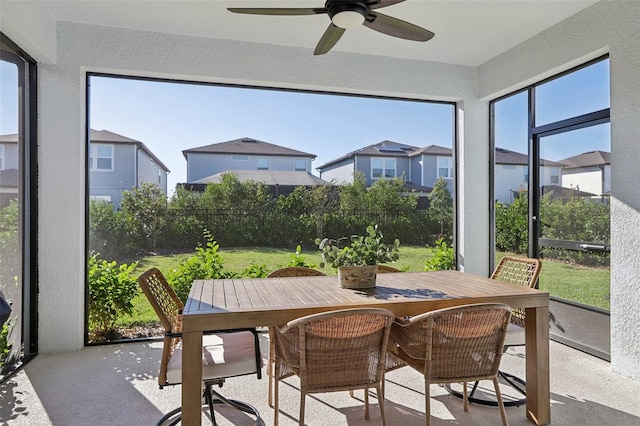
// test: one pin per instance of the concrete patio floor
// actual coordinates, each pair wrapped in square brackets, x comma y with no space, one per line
[116,385]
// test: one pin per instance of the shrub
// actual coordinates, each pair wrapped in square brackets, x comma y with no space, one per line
[443,257]
[5,346]
[255,271]
[111,291]
[297,259]
[206,263]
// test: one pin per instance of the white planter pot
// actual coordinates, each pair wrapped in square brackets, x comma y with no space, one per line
[357,276]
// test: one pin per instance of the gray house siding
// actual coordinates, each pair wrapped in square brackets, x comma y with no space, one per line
[150,172]
[202,165]
[339,173]
[111,183]
[429,172]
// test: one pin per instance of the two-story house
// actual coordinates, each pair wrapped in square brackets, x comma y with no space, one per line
[118,163]
[512,175]
[588,172]
[279,167]
[386,159]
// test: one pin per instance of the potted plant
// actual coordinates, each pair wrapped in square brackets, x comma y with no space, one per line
[357,262]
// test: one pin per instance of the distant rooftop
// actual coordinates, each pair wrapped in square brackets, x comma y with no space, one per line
[381,149]
[586,159]
[248,146]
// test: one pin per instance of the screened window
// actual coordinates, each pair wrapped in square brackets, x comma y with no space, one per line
[101,157]
[301,165]
[263,163]
[445,167]
[383,168]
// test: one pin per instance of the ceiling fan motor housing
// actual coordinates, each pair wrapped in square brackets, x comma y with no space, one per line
[347,14]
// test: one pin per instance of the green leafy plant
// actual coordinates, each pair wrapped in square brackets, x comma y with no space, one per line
[111,292]
[5,345]
[297,259]
[255,270]
[206,263]
[363,250]
[443,257]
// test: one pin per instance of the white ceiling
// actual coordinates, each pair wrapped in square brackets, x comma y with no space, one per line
[467,32]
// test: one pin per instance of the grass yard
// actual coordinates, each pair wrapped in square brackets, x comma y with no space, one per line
[585,285]
[412,258]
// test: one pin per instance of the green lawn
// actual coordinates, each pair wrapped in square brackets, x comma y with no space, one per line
[585,285]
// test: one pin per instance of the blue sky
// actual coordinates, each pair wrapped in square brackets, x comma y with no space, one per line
[171,117]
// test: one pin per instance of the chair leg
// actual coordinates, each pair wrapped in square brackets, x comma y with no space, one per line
[465,397]
[271,365]
[276,395]
[303,397]
[366,404]
[380,390]
[427,402]
[503,413]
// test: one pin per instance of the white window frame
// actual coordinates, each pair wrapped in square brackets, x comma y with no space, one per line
[258,163]
[384,167]
[449,167]
[93,157]
[295,165]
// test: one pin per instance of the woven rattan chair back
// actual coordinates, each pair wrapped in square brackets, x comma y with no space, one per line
[168,307]
[522,271]
[334,351]
[383,269]
[295,271]
[460,344]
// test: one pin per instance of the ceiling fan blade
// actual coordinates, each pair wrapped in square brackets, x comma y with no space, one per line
[377,4]
[396,27]
[329,39]
[278,10]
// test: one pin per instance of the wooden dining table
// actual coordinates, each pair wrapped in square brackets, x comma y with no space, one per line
[254,302]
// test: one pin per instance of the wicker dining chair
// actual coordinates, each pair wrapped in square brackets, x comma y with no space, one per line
[459,344]
[226,353]
[522,271]
[383,269]
[334,351]
[289,271]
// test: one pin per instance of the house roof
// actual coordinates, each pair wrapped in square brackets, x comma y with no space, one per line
[248,146]
[505,156]
[9,178]
[105,136]
[381,149]
[432,150]
[269,177]
[586,159]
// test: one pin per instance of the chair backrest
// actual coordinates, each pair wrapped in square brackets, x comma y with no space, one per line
[337,350]
[463,343]
[168,307]
[522,271]
[383,269]
[295,271]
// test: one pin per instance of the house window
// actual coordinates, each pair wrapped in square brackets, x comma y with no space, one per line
[445,167]
[263,163]
[383,168]
[300,165]
[240,157]
[555,175]
[101,157]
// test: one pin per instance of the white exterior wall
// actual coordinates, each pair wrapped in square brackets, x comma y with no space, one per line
[589,181]
[606,27]
[507,180]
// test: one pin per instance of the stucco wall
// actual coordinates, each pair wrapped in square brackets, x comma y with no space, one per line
[606,27]
[83,48]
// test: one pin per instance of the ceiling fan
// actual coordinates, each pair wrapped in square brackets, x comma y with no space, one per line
[346,14]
